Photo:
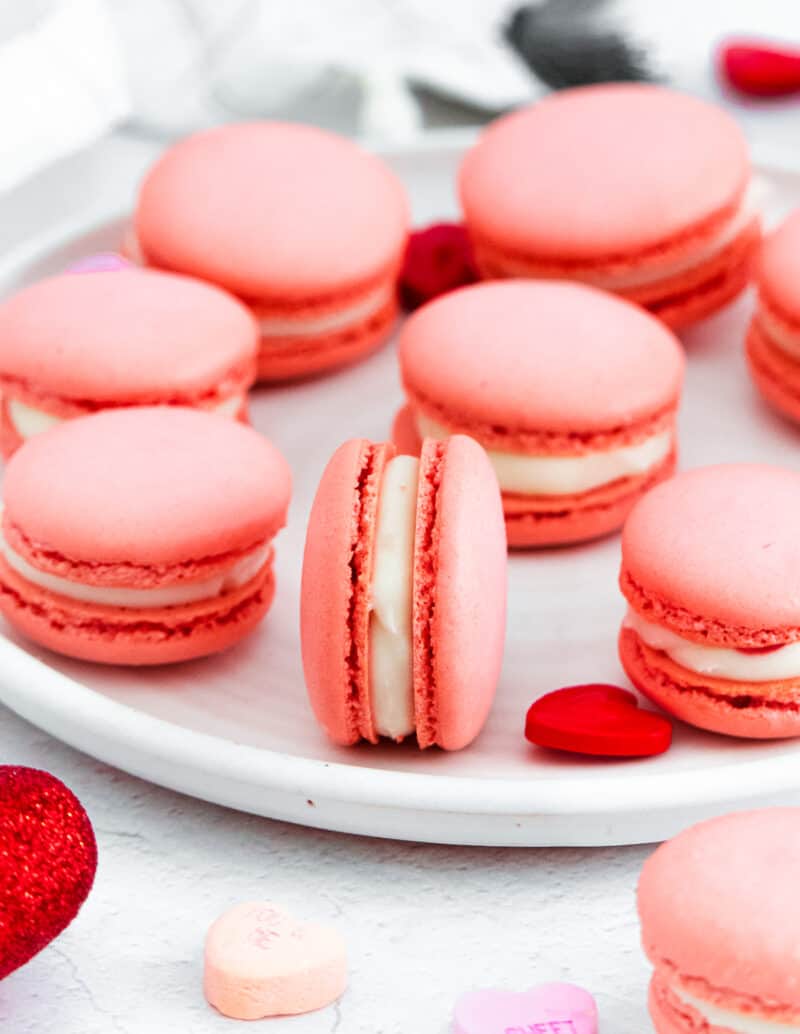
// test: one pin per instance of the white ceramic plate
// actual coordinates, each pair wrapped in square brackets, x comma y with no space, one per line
[237,729]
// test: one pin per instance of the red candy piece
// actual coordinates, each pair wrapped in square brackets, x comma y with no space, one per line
[48,858]
[597,719]
[760,70]
[438,259]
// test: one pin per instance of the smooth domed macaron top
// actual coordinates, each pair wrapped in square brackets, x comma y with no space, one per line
[149,485]
[779,267]
[720,545]
[272,209]
[540,355]
[124,336]
[719,904]
[603,171]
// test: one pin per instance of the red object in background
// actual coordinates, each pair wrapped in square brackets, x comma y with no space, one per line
[597,719]
[759,69]
[438,259]
[48,858]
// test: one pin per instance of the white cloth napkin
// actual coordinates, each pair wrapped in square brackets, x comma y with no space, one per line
[167,67]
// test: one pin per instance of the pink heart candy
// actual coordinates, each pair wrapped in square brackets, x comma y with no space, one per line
[103,262]
[547,1009]
[260,961]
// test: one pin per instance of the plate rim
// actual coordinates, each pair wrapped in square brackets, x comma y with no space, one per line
[29,686]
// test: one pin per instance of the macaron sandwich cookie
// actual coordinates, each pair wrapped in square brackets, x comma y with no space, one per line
[74,344]
[301,224]
[141,536]
[710,565]
[572,391]
[630,187]
[721,926]
[773,339]
[404,593]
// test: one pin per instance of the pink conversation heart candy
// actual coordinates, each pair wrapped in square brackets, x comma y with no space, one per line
[259,962]
[103,262]
[548,1009]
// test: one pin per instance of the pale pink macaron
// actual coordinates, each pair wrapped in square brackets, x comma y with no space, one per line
[721,925]
[404,594]
[300,223]
[573,392]
[773,339]
[710,562]
[141,536]
[74,344]
[631,187]
[260,961]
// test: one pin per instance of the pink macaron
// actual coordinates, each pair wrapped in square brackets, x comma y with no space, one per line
[302,224]
[71,345]
[403,594]
[141,536]
[710,561]
[572,391]
[631,187]
[720,925]
[773,339]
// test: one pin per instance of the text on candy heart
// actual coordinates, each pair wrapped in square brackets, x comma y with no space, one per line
[544,1027]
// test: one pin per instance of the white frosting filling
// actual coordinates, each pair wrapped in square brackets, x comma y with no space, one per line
[730,1019]
[778,335]
[303,326]
[239,573]
[565,475]
[390,631]
[29,421]
[745,213]
[719,662]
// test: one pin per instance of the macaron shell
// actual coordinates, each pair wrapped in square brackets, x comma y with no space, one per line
[719,910]
[757,710]
[661,166]
[116,635]
[714,555]
[174,340]
[624,366]
[144,488]
[334,595]
[776,375]
[290,357]
[459,592]
[319,214]
[779,269]
[671,1017]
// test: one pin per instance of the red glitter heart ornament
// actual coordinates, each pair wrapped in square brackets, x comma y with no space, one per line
[48,858]
[596,719]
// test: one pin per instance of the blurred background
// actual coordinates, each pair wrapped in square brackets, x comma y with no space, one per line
[84,84]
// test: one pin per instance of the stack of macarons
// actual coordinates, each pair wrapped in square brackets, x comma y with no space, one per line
[301,224]
[572,392]
[773,340]
[74,344]
[631,187]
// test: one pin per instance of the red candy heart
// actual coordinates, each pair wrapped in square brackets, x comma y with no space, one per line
[760,70]
[48,859]
[438,259]
[597,719]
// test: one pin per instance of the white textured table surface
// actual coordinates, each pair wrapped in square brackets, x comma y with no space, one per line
[423,924]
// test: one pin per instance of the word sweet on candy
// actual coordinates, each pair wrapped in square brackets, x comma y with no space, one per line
[547,1009]
[260,961]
